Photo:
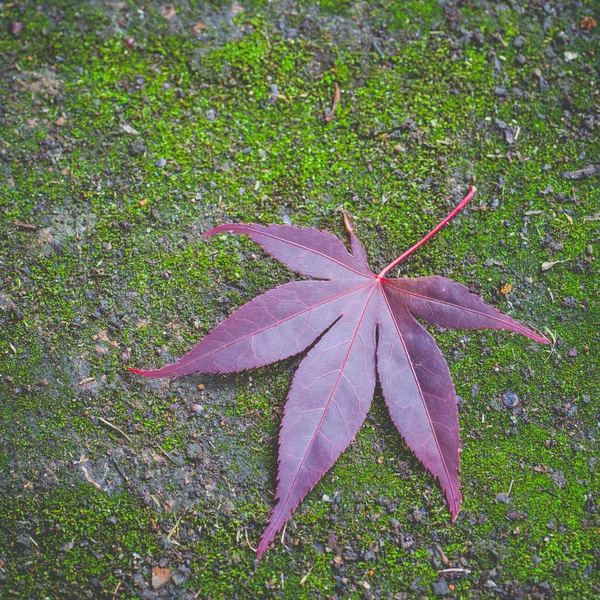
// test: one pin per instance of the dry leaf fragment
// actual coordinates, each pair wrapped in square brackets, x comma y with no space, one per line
[160,577]
[129,129]
[167,11]
[550,263]
[199,27]
[236,9]
[336,101]
[588,23]
[15,28]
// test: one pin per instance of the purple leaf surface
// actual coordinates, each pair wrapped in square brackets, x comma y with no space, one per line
[368,328]
[278,324]
[443,302]
[312,252]
[420,397]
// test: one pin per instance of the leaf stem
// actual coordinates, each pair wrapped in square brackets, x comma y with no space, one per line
[451,216]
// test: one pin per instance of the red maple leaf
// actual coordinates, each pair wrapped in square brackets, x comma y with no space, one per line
[365,327]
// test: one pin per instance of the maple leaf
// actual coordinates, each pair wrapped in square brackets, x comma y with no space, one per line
[365,328]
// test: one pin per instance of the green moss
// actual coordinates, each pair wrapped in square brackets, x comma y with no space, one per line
[59,542]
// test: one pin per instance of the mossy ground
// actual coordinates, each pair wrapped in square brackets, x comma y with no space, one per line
[101,266]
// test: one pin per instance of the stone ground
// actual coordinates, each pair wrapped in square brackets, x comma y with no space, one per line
[128,129]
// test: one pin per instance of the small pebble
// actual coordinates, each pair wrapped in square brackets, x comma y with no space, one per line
[137,148]
[194,452]
[510,399]
[369,555]
[160,162]
[519,42]
[504,498]
[440,588]
[478,38]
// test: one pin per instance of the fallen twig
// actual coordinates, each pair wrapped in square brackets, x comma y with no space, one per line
[116,429]
[456,570]
[87,476]
[167,455]
[25,226]
[248,541]
[175,527]
[121,473]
